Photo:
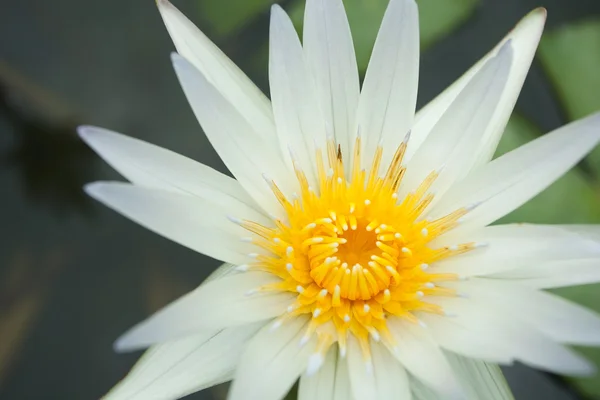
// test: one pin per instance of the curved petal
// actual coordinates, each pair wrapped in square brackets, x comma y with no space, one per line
[559,319]
[524,37]
[387,101]
[321,385]
[515,333]
[518,250]
[145,164]
[299,121]
[382,377]
[515,336]
[480,379]
[272,362]
[360,371]
[218,304]
[509,181]
[220,71]
[451,334]
[330,58]
[247,156]
[422,357]
[555,274]
[391,379]
[453,140]
[193,222]
[181,367]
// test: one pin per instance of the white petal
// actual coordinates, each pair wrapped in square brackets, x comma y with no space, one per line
[331,382]
[178,368]
[452,334]
[220,71]
[524,37]
[391,379]
[555,274]
[271,363]
[299,121]
[221,271]
[330,57]
[422,357]
[360,371]
[480,379]
[343,389]
[516,333]
[587,231]
[188,220]
[322,384]
[387,101]
[247,155]
[148,165]
[518,247]
[509,181]
[220,303]
[453,140]
[559,319]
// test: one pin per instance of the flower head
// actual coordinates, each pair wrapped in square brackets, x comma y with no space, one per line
[359,256]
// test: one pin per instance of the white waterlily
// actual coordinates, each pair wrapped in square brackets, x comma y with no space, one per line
[355,234]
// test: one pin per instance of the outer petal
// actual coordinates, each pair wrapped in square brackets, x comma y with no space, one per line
[330,57]
[422,357]
[198,224]
[272,362]
[322,385]
[552,315]
[246,154]
[452,334]
[513,335]
[479,379]
[387,101]
[360,372]
[454,138]
[383,377]
[509,181]
[178,368]
[523,248]
[390,377]
[555,274]
[220,71]
[148,165]
[299,120]
[220,303]
[524,37]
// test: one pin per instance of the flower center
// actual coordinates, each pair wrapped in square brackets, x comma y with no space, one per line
[362,262]
[353,252]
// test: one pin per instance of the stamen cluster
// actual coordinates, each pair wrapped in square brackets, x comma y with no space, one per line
[353,252]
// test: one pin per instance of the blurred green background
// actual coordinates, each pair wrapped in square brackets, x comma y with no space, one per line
[74,275]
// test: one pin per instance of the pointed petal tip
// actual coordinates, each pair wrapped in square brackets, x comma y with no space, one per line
[124,344]
[84,131]
[176,57]
[92,188]
[276,8]
[540,11]
[163,4]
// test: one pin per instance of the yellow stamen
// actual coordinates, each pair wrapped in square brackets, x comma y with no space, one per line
[352,252]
